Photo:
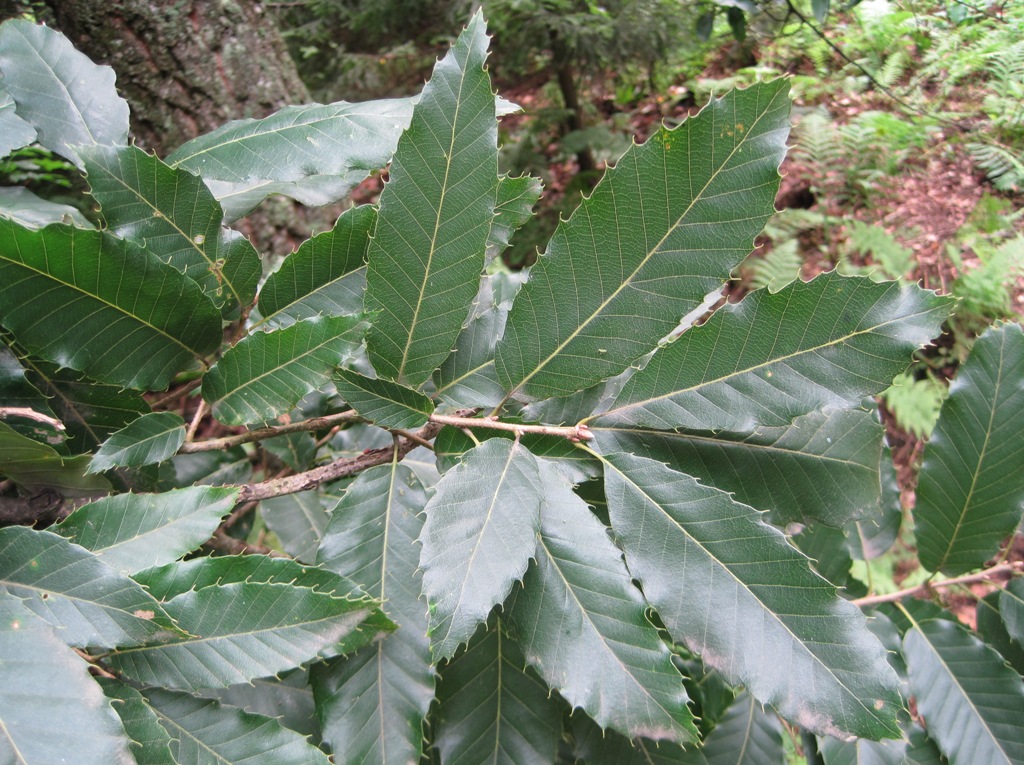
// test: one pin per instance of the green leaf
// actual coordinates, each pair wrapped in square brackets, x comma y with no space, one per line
[28,210]
[771,358]
[969,494]
[384,403]
[67,98]
[14,131]
[296,450]
[36,466]
[993,631]
[478,537]
[862,752]
[267,373]
[513,207]
[204,731]
[717,575]
[824,466]
[922,750]
[324,277]
[606,747]
[91,411]
[435,214]
[177,218]
[86,300]
[1011,607]
[828,551]
[314,154]
[150,743]
[132,532]
[492,709]
[971,702]
[147,440]
[582,624]
[288,698]
[17,391]
[872,536]
[372,704]
[93,605]
[247,630]
[661,230]
[299,521]
[50,705]
[746,735]
[820,8]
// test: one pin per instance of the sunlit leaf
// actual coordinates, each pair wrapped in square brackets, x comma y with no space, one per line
[969,494]
[435,214]
[149,439]
[661,230]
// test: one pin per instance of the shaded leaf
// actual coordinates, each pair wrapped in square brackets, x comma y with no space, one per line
[862,752]
[93,605]
[969,495]
[717,574]
[326,276]
[204,731]
[970,700]
[146,440]
[826,547]
[478,537]
[823,466]
[67,98]
[582,624]
[50,705]
[247,630]
[86,300]
[492,709]
[435,214]
[771,358]
[17,391]
[1011,607]
[14,131]
[299,521]
[606,747]
[265,374]
[872,536]
[372,704]
[384,403]
[314,153]
[662,229]
[150,743]
[513,207]
[993,631]
[132,532]
[173,213]
[288,698]
[747,735]
[26,209]
[296,450]
[36,466]
[213,468]
[922,750]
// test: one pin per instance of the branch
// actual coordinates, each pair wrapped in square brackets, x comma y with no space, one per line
[981,576]
[261,434]
[29,414]
[44,507]
[579,432]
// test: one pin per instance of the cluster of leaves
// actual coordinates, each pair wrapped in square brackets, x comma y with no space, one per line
[591,563]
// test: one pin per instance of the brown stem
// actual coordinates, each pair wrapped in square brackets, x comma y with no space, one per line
[261,434]
[45,507]
[29,414]
[577,432]
[980,576]
[224,542]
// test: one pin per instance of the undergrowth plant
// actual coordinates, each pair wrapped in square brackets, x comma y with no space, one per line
[393,503]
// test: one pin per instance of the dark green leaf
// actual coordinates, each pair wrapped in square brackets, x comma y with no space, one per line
[36,466]
[87,300]
[147,440]
[372,704]
[993,631]
[314,153]
[204,731]
[718,575]
[289,699]
[747,735]
[705,25]
[513,207]
[771,358]
[862,752]
[971,702]
[969,494]
[581,623]
[213,468]
[824,466]
[28,210]
[14,131]
[737,22]
[478,537]
[68,99]
[325,276]
[177,218]
[50,705]
[872,536]
[606,747]
[132,532]
[661,230]
[821,9]
[435,214]
[492,709]
[384,403]
[922,750]
[266,374]
[296,450]
[826,547]
[150,743]
[247,630]
[93,605]
[1011,606]
[298,520]
[17,391]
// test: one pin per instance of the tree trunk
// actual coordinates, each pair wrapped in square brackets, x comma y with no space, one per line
[566,76]
[188,67]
